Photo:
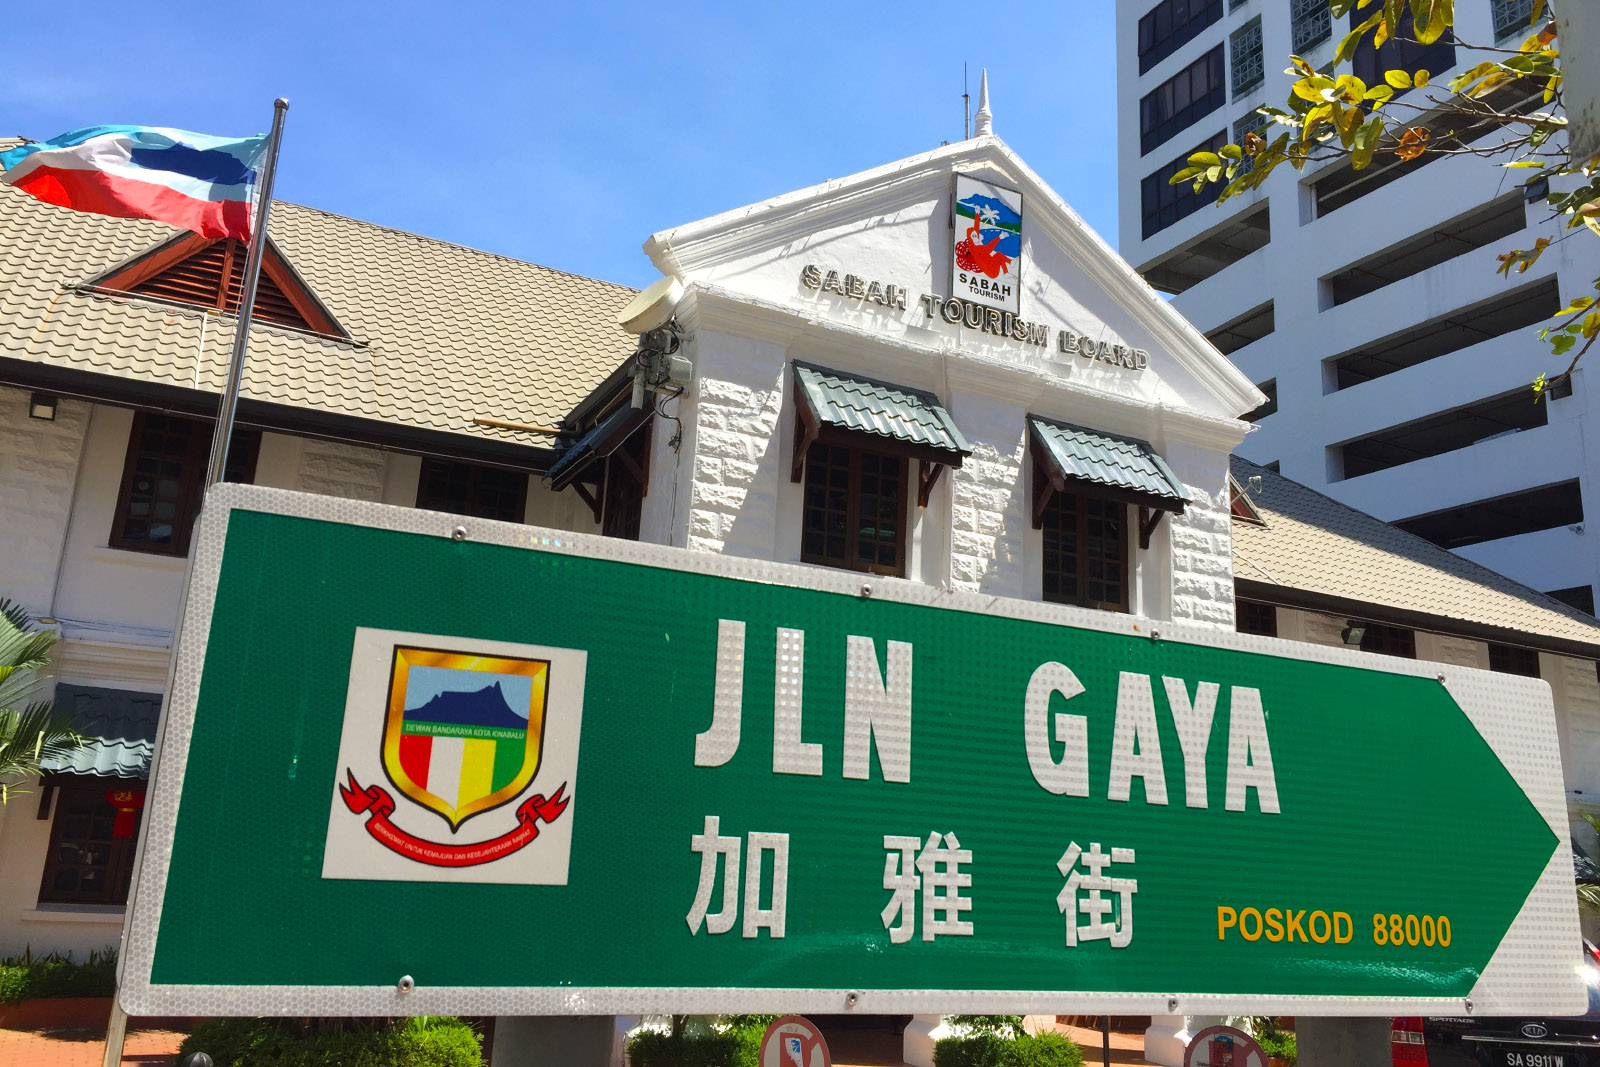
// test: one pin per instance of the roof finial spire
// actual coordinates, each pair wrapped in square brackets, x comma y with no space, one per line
[983,121]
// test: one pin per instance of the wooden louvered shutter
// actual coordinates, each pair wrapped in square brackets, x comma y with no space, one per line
[198,279]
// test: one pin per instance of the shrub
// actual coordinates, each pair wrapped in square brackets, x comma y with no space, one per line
[992,1050]
[1279,1043]
[421,1042]
[27,977]
[1002,1025]
[737,1046]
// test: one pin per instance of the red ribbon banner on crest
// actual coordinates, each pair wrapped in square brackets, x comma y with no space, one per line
[376,801]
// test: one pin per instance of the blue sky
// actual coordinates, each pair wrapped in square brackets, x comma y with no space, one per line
[567,133]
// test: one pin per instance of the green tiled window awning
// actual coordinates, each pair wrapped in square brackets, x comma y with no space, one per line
[861,412]
[1120,468]
[120,726]
[604,438]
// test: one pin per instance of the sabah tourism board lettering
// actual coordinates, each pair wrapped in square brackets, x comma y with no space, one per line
[932,884]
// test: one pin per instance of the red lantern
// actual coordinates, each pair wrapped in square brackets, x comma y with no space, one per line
[127,802]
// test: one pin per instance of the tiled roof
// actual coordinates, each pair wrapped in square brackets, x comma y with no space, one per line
[878,408]
[1106,459]
[121,727]
[1314,544]
[441,333]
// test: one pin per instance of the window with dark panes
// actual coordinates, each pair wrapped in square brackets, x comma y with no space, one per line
[1246,59]
[91,843]
[1310,23]
[1182,100]
[1390,640]
[1511,16]
[855,509]
[625,476]
[1514,659]
[471,490]
[1170,24]
[1163,203]
[163,479]
[1255,617]
[1086,551]
[1400,52]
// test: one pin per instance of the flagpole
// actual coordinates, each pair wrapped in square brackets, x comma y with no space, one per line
[117,1024]
[247,301]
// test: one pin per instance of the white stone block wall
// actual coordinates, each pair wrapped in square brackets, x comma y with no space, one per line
[736,464]
[334,468]
[1200,540]
[991,522]
[38,470]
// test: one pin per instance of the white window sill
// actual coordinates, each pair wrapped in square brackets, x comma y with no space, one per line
[155,561]
[102,914]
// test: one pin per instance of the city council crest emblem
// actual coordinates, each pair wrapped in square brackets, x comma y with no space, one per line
[457,761]
[462,733]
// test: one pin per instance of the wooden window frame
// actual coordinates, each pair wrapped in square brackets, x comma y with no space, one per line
[474,487]
[1086,491]
[856,448]
[1242,609]
[1513,659]
[244,450]
[1390,640]
[625,481]
[120,863]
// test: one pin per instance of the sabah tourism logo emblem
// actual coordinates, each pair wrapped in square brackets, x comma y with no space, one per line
[988,244]
[457,761]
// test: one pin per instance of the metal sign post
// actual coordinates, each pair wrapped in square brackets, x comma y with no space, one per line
[420,764]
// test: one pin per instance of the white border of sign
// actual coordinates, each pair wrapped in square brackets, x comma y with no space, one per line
[1533,971]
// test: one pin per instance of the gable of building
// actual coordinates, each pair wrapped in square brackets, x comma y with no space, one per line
[874,252]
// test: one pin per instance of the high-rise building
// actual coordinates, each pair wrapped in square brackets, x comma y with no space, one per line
[1365,304]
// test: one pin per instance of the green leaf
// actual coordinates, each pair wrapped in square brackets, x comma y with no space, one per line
[1205,159]
[1184,175]
[1563,344]
[1231,151]
[1365,141]
[1347,47]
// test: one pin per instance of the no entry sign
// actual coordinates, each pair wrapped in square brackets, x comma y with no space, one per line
[538,772]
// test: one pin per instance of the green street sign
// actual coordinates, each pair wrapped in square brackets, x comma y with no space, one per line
[534,772]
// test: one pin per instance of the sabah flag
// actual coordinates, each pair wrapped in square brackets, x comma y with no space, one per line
[189,180]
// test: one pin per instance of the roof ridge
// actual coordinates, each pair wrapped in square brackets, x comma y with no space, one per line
[452,244]
[1545,599]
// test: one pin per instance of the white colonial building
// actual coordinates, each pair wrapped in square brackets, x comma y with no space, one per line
[850,378]
[1397,363]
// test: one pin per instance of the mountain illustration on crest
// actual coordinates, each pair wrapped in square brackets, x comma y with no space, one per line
[482,707]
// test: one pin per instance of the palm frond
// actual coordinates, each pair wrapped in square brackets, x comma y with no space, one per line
[15,614]
[33,736]
[1589,899]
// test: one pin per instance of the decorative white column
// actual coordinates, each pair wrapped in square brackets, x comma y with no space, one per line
[917,1042]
